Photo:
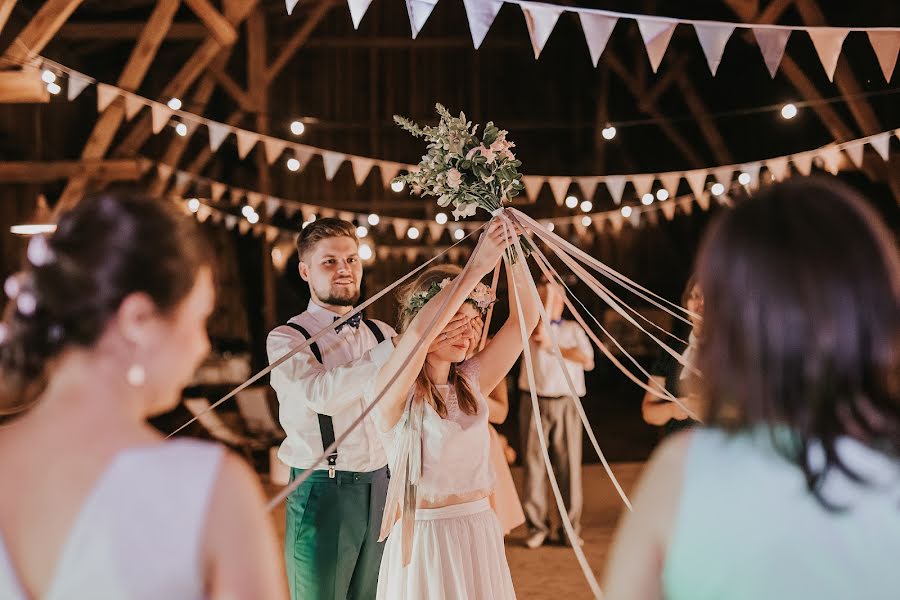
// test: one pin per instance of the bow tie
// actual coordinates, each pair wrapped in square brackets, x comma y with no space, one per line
[353,322]
[556,322]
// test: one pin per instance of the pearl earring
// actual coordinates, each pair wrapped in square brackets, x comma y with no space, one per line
[136,375]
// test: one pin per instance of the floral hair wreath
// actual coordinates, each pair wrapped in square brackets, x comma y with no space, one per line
[481,297]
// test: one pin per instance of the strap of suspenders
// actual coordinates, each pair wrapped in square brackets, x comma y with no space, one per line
[326,423]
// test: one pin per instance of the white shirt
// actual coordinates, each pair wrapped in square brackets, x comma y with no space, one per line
[305,388]
[548,377]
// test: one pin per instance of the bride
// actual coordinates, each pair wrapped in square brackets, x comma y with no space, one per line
[445,541]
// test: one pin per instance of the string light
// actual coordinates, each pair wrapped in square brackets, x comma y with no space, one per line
[53,88]
[181,129]
[586,206]
[647,199]
[585,220]
[626,211]
[441,218]
[297,127]
[550,226]
[609,132]
[789,111]
[397,186]
[293,164]
[571,201]
[717,189]
[247,210]
[374,219]
[412,233]
[365,251]
[459,234]
[193,205]
[662,194]
[312,218]
[174,104]
[48,76]
[744,178]
[253,219]
[362,231]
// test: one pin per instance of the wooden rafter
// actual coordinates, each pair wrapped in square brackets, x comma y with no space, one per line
[6,10]
[707,126]
[45,171]
[40,30]
[231,87]
[220,27]
[84,31]
[132,75]
[298,39]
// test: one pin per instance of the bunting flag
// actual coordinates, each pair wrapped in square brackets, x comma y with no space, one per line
[831,159]
[713,38]
[597,29]
[724,174]
[772,42]
[752,169]
[881,144]
[133,105]
[76,86]
[855,153]
[643,184]
[332,162]
[670,183]
[303,156]
[616,186]
[778,167]
[400,227]
[358,10]
[540,19]
[702,201]
[105,95]
[697,181]
[389,170]
[481,15]
[533,186]
[886,45]
[588,186]
[419,11]
[273,147]
[217,134]
[803,162]
[560,187]
[218,190]
[290,4]
[828,42]
[165,171]
[361,168]
[668,209]
[656,34]
[159,116]
[245,142]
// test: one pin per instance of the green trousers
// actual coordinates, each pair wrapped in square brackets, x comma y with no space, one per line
[331,535]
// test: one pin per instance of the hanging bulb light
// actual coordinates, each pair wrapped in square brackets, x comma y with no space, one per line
[48,76]
[647,199]
[717,189]
[662,194]
[193,205]
[174,103]
[585,220]
[181,129]
[459,234]
[41,220]
[374,219]
[412,233]
[297,127]
[397,186]
[54,88]
[365,251]
[744,178]
[626,211]
[571,201]
[441,218]
[789,111]
[362,231]
[293,164]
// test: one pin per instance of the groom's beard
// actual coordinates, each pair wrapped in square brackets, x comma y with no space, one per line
[339,297]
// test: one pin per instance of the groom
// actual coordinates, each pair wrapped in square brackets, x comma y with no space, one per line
[333,519]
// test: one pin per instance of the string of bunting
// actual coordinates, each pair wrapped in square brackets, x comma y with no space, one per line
[656,32]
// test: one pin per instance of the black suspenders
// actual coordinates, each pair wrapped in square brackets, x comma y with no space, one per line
[326,423]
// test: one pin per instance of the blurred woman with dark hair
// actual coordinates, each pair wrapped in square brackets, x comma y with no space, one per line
[104,327]
[794,489]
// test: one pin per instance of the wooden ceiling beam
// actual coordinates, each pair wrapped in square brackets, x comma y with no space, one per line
[22,86]
[40,30]
[220,27]
[707,126]
[84,31]
[297,40]
[124,169]
[231,87]
[132,75]
[6,8]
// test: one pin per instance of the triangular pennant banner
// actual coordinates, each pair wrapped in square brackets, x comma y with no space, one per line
[886,45]
[133,105]
[703,201]
[244,227]
[752,169]
[559,186]
[652,216]
[218,190]
[831,159]
[540,19]
[723,175]
[772,42]
[778,168]
[670,183]
[245,141]
[533,186]
[643,184]
[881,143]
[615,220]
[419,11]
[159,116]
[254,199]
[76,86]
[616,186]
[668,209]
[303,156]
[105,95]
[388,170]
[230,221]
[217,134]
[290,4]
[697,181]
[361,167]
[599,219]
[481,15]
[656,34]
[687,206]
[410,254]
[273,148]
[435,231]
[803,162]
[597,29]
[855,152]
[828,42]
[272,206]
[332,162]
[713,38]
[400,227]
[635,218]
[358,10]
[271,234]
[588,186]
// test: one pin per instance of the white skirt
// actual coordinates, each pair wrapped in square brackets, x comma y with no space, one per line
[457,554]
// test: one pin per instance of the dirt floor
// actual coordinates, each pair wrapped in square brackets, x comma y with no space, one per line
[552,572]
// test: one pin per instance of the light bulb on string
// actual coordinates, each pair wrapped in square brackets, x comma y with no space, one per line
[662,194]
[48,76]
[550,226]
[174,103]
[647,199]
[744,178]
[585,220]
[293,164]
[789,111]
[608,132]
[397,186]
[365,251]
[412,233]
[626,211]
[717,189]
[297,127]
[586,206]
[362,231]
[441,218]
[193,205]
[374,219]
[181,129]
[571,201]
[253,219]
[54,88]
[459,234]
[247,210]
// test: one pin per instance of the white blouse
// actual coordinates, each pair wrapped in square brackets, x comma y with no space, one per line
[455,450]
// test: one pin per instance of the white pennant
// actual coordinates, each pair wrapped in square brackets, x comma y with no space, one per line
[290,4]
[855,152]
[597,29]
[481,15]
[303,156]
[358,10]
[218,190]
[828,42]
[159,116]
[540,19]
[254,199]
[831,159]
[388,170]
[670,183]
[361,167]
[435,231]
[713,38]
[615,220]
[886,45]
[687,205]
[400,227]
[105,95]
[133,105]
[803,162]
[273,148]
[881,143]
[703,201]
[411,254]
[598,220]
[752,169]
[533,186]
[419,11]
[697,181]
[76,86]
[668,209]
[559,186]
[230,221]
[656,34]
[588,186]
[332,162]
[616,186]
[772,42]
[245,141]
[724,175]
[272,206]
[643,184]
[217,134]
[778,168]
